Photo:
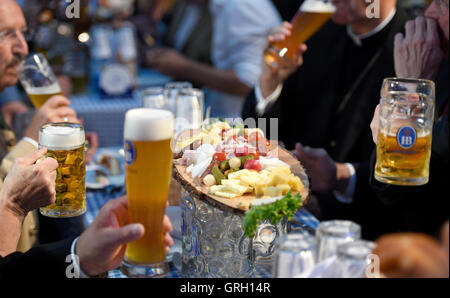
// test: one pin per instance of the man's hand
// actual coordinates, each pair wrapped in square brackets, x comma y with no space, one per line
[165,60]
[272,77]
[375,125]
[418,54]
[102,246]
[56,109]
[326,175]
[30,185]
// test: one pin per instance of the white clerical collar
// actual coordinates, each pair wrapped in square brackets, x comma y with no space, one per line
[357,39]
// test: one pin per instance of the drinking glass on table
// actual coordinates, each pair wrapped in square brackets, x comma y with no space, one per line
[352,259]
[38,80]
[65,142]
[331,234]
[405,134]
[156,98]
[189,113]
[295,254]
[148,169]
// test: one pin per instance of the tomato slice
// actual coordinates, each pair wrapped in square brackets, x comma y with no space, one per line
[220,156]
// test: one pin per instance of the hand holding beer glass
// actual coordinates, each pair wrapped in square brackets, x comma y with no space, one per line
[312,15]
[148,169]
[38,80]
[65,143]
[406,119]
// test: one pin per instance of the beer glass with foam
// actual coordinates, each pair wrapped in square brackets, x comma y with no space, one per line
[404,139]
[65,143]
[38,80]
[148,169]
[311,16]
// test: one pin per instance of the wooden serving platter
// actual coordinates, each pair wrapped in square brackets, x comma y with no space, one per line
[239,204]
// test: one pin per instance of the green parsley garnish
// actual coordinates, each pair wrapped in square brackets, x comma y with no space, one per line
[275,212]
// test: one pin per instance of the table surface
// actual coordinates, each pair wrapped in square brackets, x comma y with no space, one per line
[97,198]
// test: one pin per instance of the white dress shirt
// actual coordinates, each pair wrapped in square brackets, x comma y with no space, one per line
[262,104]
[240,30]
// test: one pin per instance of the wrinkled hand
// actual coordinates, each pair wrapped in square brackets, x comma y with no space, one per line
[56,109]
[418,54]
[102,246]
[271,77]
[375,125]
[165,60]
[30,185]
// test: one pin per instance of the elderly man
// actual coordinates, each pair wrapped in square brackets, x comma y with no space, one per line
[418,54]
[13,49]
[29,186]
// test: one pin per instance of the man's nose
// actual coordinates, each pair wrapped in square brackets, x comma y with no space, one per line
[20,46]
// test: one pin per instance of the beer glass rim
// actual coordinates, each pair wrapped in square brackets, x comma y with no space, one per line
[346,228]
[345,250]
[409,80]
[154,91]
[178,85]
[298,242]
[190,92]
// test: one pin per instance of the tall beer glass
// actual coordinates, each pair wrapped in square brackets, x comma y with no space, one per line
[406,123]
[65,143]
[38,80]
[148,169]
[311,16]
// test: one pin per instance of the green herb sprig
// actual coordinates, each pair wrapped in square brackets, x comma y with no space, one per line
[286,207]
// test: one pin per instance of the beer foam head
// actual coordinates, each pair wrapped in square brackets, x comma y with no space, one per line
[61,136]
[317,6]
[148,125]
[52,89]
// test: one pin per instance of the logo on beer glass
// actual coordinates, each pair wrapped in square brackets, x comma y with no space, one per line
[130,152]
[406,137]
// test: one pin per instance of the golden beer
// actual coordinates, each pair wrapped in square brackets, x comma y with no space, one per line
[312,15]
[38,80]
[39,96]
[148,170]
[405,131]
[394,161]
[65,143]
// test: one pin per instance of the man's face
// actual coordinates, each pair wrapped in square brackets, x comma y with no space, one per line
[349,11]
[438,10]
[13,47]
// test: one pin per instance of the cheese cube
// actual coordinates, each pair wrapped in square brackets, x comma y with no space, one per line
[272,191]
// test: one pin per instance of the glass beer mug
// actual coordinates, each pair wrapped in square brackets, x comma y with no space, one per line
[38,80]
[405,131]
[65,143]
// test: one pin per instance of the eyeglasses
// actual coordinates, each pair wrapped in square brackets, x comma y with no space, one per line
[11,35]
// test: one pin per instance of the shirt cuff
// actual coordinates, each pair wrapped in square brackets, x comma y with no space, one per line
[76,260]
[31,141]
[261,102]
[347,196]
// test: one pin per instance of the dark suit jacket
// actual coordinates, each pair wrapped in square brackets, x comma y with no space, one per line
[312,109]
[39,262]
[198,44]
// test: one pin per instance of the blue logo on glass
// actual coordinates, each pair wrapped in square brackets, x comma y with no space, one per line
[130,152]
[406,137]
